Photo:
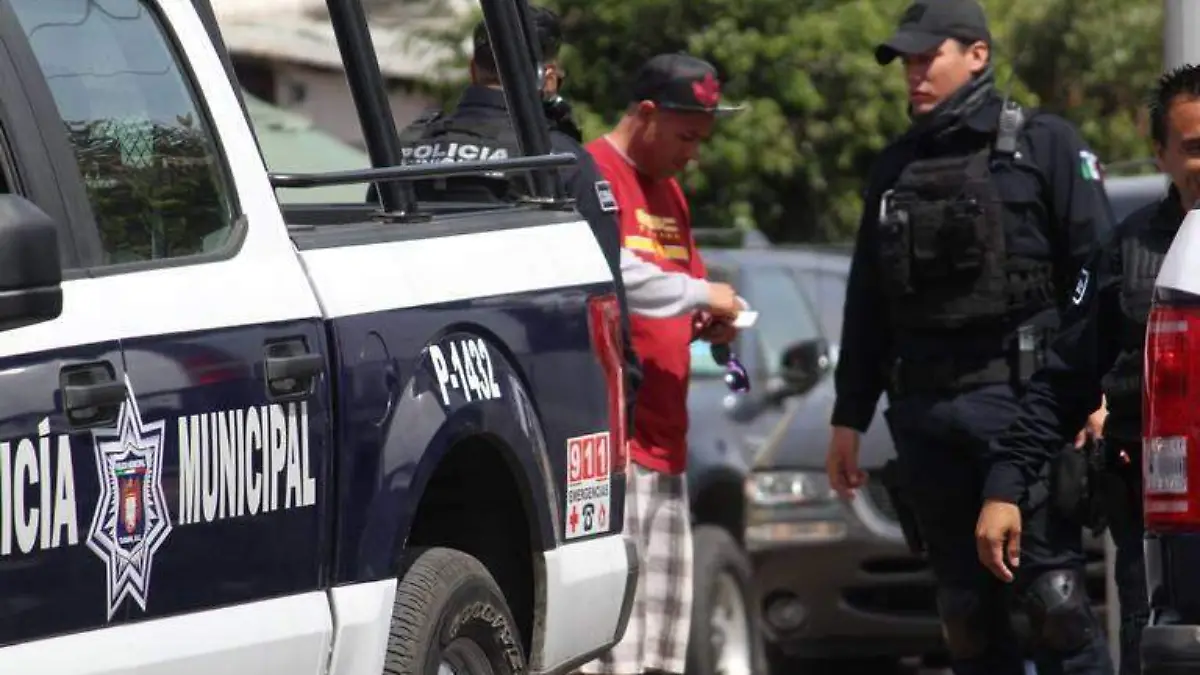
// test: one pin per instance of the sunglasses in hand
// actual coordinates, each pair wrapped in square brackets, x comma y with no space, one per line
[735,373]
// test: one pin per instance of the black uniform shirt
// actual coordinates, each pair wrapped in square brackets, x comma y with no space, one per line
[1055,210]
[1067,388]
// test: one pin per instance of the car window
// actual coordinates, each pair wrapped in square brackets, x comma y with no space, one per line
[828,293]
[703,364]
[1126,204]
[784,315]
[148,158]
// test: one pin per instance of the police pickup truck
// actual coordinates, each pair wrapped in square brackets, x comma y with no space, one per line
[1171,460]
[350,440]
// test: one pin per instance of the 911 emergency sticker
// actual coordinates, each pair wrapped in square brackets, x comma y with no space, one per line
[468,369]
[589,489]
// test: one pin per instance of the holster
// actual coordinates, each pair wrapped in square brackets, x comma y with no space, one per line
[1080,485]
[893,481]
[1014,364]
[1119,491]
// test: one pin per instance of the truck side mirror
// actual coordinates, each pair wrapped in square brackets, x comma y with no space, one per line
[30,268]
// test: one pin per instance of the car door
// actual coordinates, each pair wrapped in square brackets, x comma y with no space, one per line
[211,487]
[59,380]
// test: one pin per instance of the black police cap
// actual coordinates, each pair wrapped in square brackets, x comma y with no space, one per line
[928,23]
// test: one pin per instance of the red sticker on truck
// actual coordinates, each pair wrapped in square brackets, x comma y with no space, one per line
[589,506]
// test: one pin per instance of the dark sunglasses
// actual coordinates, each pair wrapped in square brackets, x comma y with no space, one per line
[735,373]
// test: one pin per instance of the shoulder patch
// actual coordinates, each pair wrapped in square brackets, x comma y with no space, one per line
[1089,166]
[1081,286]
[604,194]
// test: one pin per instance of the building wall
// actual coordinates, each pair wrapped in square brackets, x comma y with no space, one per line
[324,97]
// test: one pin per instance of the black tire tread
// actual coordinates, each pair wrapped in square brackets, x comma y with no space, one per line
[714,548]
[433,576]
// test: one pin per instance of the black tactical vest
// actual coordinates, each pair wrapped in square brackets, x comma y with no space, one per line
[436,137]
[1142,254]
[942,243]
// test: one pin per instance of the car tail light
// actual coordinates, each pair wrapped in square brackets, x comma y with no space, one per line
[604,321]
[1171,411]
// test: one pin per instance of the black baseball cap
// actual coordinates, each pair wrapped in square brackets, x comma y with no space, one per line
[928,23]
[681,82]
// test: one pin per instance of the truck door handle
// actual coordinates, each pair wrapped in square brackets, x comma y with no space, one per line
[291,369]
[92,395]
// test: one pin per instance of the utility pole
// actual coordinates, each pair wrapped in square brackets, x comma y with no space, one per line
[1181,33]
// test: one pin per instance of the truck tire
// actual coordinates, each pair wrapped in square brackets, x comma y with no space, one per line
[450,612]
[725,638]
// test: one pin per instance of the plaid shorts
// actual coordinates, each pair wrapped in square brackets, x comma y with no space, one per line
[658,519]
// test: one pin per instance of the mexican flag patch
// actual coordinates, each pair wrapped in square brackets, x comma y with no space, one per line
[1089,166]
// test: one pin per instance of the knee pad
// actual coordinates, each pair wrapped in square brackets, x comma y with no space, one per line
[964,622]
[1060,612]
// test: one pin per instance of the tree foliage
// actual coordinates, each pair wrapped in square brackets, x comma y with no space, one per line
[820,108]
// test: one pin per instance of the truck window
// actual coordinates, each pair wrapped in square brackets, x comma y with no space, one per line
[148,159]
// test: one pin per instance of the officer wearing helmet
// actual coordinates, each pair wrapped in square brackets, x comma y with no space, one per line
[977,221]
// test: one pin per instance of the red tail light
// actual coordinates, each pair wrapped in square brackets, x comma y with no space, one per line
[1171,413]
[604,321]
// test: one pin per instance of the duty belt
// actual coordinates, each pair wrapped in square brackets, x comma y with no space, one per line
[947,376]
[950,375]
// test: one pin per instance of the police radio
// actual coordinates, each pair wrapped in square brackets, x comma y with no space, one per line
[558,110]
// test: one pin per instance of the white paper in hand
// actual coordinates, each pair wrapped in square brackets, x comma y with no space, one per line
[746,317]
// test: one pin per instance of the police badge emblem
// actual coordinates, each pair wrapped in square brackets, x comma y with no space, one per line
[131,520]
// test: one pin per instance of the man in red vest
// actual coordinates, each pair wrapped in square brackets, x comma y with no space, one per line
[675,100]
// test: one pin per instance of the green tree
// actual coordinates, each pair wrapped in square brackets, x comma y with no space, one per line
[820,108]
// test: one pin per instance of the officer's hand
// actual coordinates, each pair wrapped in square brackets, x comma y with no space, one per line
[723,300]
[999,524]
[841,462]
[1094,426]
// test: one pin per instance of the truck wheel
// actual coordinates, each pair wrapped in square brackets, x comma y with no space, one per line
[724,639]
[450,618]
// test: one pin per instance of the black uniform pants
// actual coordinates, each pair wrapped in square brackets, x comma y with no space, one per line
[940,446]
[1123,499]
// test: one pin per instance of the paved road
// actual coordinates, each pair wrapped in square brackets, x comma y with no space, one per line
[908,667]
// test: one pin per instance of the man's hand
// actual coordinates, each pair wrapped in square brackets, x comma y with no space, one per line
[1094,426]
[723,300]
[841,462]
[717,331]
[998,538]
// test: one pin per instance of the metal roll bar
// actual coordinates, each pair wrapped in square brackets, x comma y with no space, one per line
[517,56]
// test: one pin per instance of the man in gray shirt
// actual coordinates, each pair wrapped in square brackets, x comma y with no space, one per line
[649,291]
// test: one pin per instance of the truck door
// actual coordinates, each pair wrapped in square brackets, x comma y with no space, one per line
[59,380]
[210,488]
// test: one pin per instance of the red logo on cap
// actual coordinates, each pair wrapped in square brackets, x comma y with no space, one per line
[707,91]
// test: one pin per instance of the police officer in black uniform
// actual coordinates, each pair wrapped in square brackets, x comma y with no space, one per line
[1100,350]
[976,223]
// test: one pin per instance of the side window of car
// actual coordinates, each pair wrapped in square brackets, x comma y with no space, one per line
[831,293]
[149,160]
[784,315]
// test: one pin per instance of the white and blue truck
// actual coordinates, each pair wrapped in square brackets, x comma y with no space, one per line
[235,438]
